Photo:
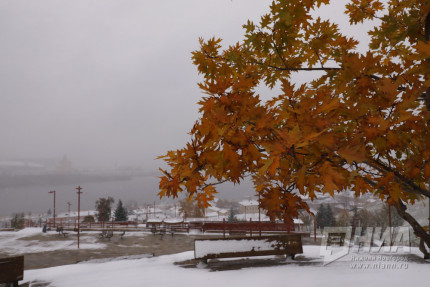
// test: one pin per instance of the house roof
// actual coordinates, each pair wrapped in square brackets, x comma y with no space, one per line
[249,202]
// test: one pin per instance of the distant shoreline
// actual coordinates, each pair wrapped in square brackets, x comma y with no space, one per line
[13,181]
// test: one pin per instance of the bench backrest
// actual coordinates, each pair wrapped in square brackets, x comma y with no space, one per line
[248,246]
[11,269]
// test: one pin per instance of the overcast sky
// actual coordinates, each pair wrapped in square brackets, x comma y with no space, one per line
[106,82]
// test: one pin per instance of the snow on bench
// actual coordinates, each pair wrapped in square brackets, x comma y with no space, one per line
[290,244]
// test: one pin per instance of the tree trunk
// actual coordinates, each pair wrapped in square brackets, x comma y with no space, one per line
[418,229]
[427,37]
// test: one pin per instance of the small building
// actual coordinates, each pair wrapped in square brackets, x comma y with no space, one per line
[249,206]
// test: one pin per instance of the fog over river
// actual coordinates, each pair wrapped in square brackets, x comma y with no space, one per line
[32,195]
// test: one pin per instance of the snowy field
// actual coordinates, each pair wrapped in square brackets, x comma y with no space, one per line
[10,243]
[161,271]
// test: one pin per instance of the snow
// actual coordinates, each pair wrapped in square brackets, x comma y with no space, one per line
[249,202]
[173,220]
[161,271]
[205,247]
[11,244]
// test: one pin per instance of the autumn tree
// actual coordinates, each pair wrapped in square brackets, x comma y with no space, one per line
[307,219]
[361,124]
[343,218]
[17,220]
[189,208]
[88,219]
[367,219]
[104,208]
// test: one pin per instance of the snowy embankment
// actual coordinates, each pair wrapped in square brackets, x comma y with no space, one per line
[12,242]
[161,271]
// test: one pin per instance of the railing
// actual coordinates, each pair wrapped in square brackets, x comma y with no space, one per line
[251,226]
[72,224]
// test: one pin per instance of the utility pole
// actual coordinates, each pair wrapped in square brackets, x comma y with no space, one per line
[68,214]
[79,210]
[53,191]
[389,223]
[259,214]
[315,227]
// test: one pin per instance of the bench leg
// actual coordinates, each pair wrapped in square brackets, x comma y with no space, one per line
[204,261]
[12,284]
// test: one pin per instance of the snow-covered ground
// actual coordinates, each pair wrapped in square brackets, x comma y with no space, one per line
[161,271]
[10,242]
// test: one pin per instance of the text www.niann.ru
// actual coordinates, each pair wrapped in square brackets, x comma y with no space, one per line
[379,266]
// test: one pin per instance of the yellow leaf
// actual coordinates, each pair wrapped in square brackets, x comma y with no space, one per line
[327,140]
[330,177]
[274,166]
[427,170]
[301,180]
[266,166]
[353,153]
[396,192]
[423,48]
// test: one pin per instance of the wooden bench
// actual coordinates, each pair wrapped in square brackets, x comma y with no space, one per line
[106,234]
[290,244]
[160,231]
[60,231]
[11,270]
[237,233]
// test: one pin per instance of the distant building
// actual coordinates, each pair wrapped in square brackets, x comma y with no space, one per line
[249,206]
[65,165]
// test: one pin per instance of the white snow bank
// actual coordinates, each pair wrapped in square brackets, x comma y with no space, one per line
[206,247]
[161,271]
[12,243]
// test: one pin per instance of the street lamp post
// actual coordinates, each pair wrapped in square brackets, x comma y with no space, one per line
[53,191]
[315,227]
[389,223]
[68,214]
[79,210]
[259,214]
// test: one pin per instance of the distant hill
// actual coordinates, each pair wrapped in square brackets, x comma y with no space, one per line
[57,179]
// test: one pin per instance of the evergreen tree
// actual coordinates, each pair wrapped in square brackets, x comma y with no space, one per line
[330,220]
[343,218]
[321,218]
[232,215]
[121,213]
[17,221]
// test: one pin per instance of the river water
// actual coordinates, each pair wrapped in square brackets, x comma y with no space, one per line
[141,189]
